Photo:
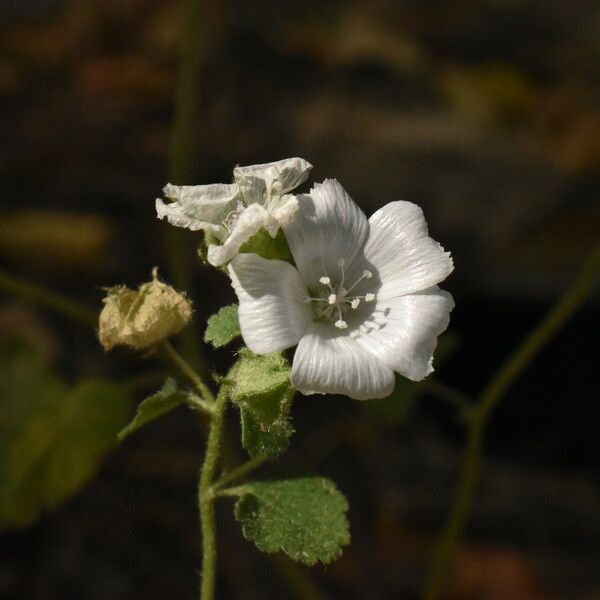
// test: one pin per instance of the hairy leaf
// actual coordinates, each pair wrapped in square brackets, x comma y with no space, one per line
[304,517]
[223,327]
[163,401]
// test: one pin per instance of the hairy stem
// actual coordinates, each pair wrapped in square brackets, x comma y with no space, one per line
[206,497]
[49,299]
[569,303]
[239,472]
[185,368]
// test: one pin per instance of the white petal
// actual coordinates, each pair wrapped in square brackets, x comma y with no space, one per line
[405,258]
[251,219]
[405,331]
[198,206]
[327,227]
[273,314]
[279,177]
[329,363]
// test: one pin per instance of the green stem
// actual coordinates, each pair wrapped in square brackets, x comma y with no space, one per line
[206,497]
[239,472]
[448,394]
[570,302]
[182,151]
[186,369]
[48,299]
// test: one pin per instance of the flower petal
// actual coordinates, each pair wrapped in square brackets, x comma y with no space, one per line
[328,363]
[279,177]
[328,227]
[402,332]
[198,206]
[251,219]
[407,260]
[273,314]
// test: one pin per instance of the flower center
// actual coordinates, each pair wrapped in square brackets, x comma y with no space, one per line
[334,300]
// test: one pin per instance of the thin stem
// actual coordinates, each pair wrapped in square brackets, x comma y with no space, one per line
[239,472]
[448,394]
[182,151]
[48,299]
[570,302]
[187,370]
[206,497]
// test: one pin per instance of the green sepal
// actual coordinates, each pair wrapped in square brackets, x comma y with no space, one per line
[264,245]
[264,395]
[304,517]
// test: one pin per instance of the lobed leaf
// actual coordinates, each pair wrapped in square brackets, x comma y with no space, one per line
[223,327]
[304,517]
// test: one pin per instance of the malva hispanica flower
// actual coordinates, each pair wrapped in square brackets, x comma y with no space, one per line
[234,212]
[361,303]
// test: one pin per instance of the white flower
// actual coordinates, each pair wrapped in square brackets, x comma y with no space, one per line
[234,212]
[362,303]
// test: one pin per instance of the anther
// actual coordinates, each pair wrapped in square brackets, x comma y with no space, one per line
[325,280]
[341,324]
[332,299]
[369,297]
[341,263]
[367,274]
[355,302]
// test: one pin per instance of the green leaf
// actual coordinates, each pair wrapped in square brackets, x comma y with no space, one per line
[303,517]
[263,392]
[163,401]
[223,327]
[52,438]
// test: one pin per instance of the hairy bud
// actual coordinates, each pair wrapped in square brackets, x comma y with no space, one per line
[144,317]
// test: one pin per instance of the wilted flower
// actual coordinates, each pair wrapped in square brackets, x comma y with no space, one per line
[362,302]
[144,317]
[234,212]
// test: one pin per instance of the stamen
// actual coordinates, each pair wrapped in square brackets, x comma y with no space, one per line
[365,275]
[341,324]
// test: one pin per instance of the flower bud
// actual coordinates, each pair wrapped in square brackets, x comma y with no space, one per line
[143,318]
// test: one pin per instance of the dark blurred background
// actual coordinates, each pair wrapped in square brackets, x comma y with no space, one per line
[487,114]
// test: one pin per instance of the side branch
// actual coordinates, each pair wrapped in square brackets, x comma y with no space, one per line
[570,302]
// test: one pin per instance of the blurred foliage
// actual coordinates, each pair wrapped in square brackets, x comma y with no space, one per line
[53,437]
[50,240]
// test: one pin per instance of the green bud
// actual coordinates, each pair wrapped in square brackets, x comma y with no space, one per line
[142,319]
